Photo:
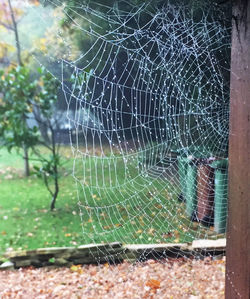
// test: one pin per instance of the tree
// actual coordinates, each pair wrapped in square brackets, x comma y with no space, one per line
[11,13]
[10,23]
[27,106]
[46,117]
[18,92]
[28,114]
[25,100]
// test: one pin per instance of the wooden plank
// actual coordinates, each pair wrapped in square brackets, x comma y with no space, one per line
[209,244]
[162,247]
[238,237]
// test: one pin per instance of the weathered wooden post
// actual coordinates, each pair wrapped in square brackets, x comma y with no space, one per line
[238,232]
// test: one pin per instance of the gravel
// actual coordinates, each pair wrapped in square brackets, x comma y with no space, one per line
[171,278]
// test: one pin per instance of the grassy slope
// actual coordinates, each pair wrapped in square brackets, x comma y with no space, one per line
[142,210]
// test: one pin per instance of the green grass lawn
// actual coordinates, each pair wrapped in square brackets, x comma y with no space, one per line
[112,204]
[25,219]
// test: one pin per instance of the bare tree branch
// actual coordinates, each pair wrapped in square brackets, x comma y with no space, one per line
[16,33]
[9,27]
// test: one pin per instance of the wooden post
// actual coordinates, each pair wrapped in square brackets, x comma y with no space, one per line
[238,236]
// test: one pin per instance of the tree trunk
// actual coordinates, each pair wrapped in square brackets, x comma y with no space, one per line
[53,201]
[25,153]
[55,169]
[238,231]
[18,48]
[26,160]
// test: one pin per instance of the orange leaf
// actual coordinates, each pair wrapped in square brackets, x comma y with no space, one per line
[158,206]
[153,283]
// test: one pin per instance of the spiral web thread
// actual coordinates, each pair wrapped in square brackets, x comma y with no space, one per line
[148,107]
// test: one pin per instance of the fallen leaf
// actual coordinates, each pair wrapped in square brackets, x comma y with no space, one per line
[76,268]
[176,234]
[167,235]
[158,206]
[118,224]
[151,231]
[153,283]
[107,227]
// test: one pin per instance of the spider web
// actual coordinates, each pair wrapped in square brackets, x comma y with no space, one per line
[148,110]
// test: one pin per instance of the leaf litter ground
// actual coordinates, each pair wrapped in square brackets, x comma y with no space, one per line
[172,278]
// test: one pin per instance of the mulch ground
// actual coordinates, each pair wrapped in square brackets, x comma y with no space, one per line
[173,278]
